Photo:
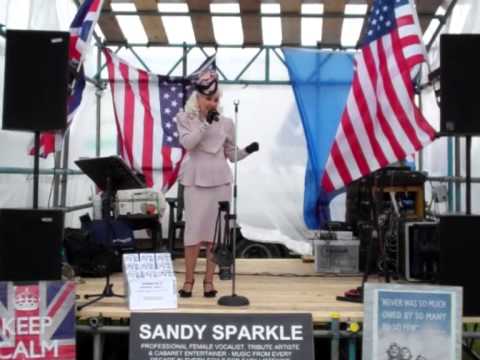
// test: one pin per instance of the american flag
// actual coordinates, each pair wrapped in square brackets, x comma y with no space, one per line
[81,30]
[381,123]
[37,321]
[145,106]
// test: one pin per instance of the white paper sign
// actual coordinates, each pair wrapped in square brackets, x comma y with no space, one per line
[412,322]
[150,282]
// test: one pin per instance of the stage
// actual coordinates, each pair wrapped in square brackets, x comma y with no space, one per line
[271,285]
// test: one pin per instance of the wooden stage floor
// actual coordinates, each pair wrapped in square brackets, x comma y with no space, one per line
[271,285]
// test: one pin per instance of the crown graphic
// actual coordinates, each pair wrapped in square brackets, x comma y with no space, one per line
[26,301]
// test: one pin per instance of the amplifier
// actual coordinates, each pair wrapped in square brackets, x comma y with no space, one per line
[407,185]
[421,251]
[398,177]
[410,200]
[337,256]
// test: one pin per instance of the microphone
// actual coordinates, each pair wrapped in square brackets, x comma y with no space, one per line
[212,115]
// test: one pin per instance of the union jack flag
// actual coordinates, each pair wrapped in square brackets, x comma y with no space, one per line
[381,123]
[37,321]
[81,31]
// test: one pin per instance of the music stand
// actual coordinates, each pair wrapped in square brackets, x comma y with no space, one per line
[110,174]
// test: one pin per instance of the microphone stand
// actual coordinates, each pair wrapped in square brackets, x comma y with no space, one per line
[234,299]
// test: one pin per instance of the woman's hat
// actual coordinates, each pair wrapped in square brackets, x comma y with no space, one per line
[206,83]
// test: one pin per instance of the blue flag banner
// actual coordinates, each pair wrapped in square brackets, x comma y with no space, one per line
[321,82]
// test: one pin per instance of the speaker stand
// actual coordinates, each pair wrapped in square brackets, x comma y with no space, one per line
[36,167]
[468,174]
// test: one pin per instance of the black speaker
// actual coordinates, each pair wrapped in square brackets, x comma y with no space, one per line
[30,244]
[36,73]
[421,251]
[459,84]
[459,251]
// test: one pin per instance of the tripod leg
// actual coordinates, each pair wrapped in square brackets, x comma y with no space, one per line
[385,271]
[107,292]
[210,267]
[97,298]
[89,296]
[369,256]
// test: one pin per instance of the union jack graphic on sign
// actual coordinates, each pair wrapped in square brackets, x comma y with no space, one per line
[37,321]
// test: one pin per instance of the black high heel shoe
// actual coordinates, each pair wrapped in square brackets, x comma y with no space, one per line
[211,293]
[186,294]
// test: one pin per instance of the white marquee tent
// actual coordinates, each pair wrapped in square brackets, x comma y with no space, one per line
[271,183]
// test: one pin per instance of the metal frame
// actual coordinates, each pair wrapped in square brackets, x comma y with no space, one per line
[98,331]
[454,178]
[286,14]
[268,50]
[442,19]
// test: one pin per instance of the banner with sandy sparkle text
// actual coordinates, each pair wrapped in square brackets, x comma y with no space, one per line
[161,336]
